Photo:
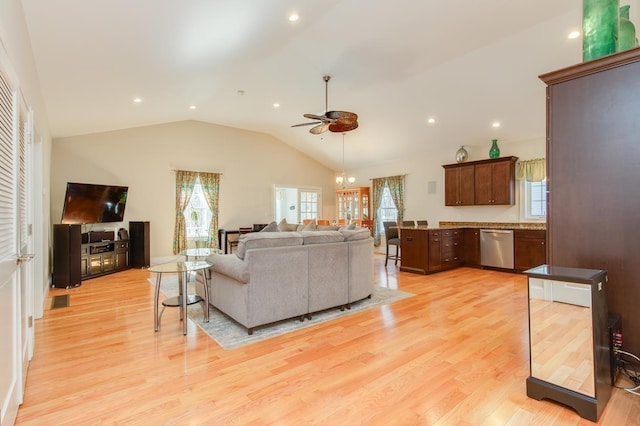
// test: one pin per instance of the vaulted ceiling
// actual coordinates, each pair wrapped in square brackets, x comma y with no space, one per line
[466,63]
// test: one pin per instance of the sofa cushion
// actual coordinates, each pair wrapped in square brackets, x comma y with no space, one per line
[355,234]
[310,227]
[230,265]
[267,239]
[321,237]
[328,228]
[272,227]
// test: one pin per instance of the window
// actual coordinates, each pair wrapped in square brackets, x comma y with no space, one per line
[197,215]
[308,205]
[387,211]
[297,204]
[535,200]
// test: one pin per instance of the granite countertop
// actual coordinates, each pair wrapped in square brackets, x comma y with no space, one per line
[495,225]
[483,225]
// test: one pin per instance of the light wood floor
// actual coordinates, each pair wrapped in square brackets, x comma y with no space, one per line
[456,353]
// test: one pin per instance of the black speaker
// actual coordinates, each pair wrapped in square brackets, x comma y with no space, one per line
[139,243]
[67,243]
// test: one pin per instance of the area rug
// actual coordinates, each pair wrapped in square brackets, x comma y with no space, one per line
[230,335]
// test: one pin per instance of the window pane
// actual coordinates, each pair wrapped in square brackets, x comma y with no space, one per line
[387,211]
[197,215]
[537,199]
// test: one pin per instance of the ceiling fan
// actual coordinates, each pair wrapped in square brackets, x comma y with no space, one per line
[334,121]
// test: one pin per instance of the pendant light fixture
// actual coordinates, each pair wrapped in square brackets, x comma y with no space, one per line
[343,180]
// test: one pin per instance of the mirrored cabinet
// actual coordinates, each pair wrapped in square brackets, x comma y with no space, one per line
[568,338]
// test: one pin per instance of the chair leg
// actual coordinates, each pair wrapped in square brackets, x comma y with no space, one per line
[397,254]
[386,259]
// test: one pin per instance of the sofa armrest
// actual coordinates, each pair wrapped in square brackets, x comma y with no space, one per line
[231,266]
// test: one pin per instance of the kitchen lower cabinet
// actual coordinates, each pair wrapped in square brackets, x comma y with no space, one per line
[530,248]
[471,247]
[426,251]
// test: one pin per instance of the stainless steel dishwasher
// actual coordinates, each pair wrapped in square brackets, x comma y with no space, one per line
[496,248]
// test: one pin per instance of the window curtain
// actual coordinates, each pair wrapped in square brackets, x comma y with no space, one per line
[185,181]
[211,187]
[378,188]
[396,187]
[532,170]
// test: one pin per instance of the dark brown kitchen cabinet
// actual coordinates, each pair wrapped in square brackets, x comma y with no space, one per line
[495,182]
[530,248]
[414,250]
[451,248]
[425,251]
[435,247]
[471,251]
[459,185]
[480,183]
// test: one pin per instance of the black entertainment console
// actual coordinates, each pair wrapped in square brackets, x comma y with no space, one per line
[103,257]
[79,256]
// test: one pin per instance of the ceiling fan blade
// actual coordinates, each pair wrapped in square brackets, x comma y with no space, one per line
[340,127]
[307,124]
[317,117]
[321,128]
[344,116]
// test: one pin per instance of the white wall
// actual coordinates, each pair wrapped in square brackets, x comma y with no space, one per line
[142,158]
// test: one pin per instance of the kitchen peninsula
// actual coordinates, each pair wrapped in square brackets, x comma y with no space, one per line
[454,244]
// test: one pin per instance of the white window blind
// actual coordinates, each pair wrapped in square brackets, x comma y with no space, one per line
[7,169]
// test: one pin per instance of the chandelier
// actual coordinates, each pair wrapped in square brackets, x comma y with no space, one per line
[343,180]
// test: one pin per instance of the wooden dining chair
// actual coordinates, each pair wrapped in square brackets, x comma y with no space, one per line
[323,222]
[241,231]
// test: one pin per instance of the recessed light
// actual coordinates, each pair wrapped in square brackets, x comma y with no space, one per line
[574,34]
[495,124]
[137,100]
[192,107]
[276,105]
[431,120]
[294,17]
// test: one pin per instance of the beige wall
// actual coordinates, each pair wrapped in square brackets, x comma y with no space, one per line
[142,158]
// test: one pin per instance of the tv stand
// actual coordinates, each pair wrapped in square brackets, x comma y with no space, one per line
[103,257]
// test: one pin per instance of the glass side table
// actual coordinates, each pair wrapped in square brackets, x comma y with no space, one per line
[198,253]
[183,299]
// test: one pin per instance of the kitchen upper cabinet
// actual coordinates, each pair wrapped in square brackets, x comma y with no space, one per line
[495,182]
[459,185]
[480,183]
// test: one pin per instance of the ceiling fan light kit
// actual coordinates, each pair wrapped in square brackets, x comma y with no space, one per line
[333,121]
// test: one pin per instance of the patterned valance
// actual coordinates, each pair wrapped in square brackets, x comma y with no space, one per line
[532,170]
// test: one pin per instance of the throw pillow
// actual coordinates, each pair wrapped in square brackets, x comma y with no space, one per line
[283,226]
[272,227]
[352,225]
[310,227]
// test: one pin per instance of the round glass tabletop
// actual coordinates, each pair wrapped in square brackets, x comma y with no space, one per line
[180,266]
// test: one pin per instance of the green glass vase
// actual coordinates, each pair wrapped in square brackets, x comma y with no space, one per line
[494,152]
[600,26]
[627,34]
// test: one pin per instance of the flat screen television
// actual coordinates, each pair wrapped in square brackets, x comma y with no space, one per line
[89,203]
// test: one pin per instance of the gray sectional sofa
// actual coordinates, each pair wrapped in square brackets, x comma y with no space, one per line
[279,275]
